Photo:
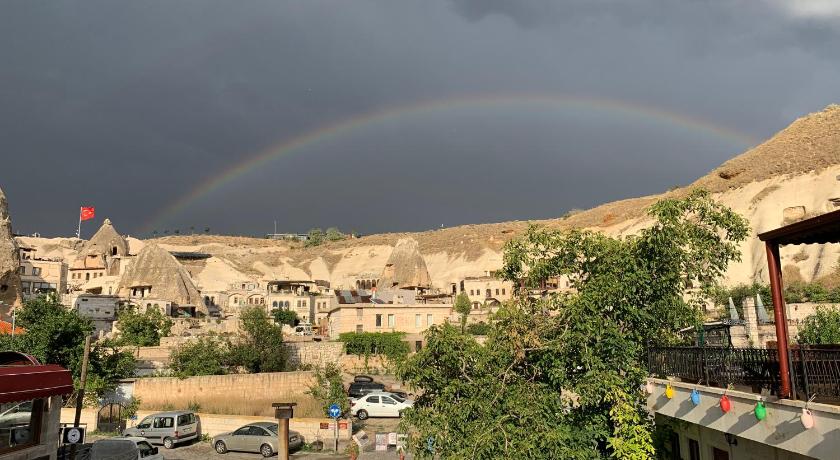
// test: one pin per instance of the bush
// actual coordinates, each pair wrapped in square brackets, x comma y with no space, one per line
[143,329]
[287,317]
[390,344]
[205,356]
[261,349]
[328,388]
[821,328]
[481,328]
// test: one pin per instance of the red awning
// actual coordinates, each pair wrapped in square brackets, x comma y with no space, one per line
[22,383]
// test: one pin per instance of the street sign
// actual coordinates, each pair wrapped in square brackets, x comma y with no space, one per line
[335,411]
[73,435]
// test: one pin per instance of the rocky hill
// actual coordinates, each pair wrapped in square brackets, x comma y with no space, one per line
[792,175]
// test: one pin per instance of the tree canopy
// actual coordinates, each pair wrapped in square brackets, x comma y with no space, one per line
[143,329]
[56,335]
[462,307]
[821,328]
[559,376]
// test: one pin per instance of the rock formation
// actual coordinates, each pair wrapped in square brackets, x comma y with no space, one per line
[103,250]
[405,268]
[9,260]
[156,268]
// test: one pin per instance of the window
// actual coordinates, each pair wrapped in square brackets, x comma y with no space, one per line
[391,321]
[24,425]
[503,291]
[693,449]
[418,320]
[373,399]
[164,422]
[87,276]
[429,320]
[244,431]
[145,449]
[497,291]
[22,270]
[36,271]
[360,328]
[146,423]
[389,401]
[186,419]
[273,305]
[257,431]
[378,320]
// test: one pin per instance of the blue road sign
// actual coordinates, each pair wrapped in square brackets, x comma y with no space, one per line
[335,411]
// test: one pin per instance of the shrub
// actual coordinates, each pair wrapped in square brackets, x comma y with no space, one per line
[481,328]
[821,328]
[143,329]
[328,388]
[390,344]
[205,356]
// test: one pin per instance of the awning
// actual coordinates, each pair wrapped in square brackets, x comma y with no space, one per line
[821,229]
[22,383]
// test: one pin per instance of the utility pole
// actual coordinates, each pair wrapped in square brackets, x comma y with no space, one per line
[80,394]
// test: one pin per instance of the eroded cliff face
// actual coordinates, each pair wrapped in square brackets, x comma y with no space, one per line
[792,175]
[9,260]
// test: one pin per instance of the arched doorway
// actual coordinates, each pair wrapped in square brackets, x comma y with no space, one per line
[110,418]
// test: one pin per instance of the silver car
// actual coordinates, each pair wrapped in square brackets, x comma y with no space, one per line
[256,437]
[168,428]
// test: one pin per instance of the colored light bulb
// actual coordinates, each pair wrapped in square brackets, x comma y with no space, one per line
[669,392]
[760,410]
[807,419]
[725,404]
[695,397]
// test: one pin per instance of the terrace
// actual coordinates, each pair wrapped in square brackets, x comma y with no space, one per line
[798,386]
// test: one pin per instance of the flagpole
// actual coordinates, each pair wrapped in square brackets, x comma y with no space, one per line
[79,230]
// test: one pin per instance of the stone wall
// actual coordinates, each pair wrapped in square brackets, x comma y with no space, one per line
[316,354]
[243,394]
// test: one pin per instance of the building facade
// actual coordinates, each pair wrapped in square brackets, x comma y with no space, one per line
[373,317]
[41,276]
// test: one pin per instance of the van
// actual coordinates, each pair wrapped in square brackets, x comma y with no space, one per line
[168,428]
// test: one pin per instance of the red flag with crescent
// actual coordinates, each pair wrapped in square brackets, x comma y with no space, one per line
[87,212]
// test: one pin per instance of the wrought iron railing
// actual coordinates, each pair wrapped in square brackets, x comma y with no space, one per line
[814,371]
[754,367]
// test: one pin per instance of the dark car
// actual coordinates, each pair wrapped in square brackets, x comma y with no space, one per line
[359,389]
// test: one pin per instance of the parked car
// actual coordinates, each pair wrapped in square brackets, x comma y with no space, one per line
[125,448]
[379,404]
[359,389]
[16,415]
[167,428]
[258,437]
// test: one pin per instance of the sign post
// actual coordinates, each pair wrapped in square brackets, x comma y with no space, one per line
[283,412]
[335,413]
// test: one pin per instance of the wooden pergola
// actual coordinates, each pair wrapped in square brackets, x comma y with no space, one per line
[816,230]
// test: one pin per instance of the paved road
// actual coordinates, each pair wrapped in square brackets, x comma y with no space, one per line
[204,451]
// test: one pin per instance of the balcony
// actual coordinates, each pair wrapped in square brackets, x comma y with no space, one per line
[813,370]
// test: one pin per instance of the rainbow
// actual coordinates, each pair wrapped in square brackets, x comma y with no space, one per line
[496,101]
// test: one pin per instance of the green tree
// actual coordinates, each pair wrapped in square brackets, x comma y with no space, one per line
[821,328]
[260,348]
[204,356]
[143,329]
[463,307]
[56,335]
[333,234]
[316,237]
[558,376]
[328,388]
[283,316]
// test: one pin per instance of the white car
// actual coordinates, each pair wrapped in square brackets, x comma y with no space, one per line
[131,447]
[379,404]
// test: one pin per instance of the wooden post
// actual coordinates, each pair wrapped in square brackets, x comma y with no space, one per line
[80,394]
[779,315]
[283,442]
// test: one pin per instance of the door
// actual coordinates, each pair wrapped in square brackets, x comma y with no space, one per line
[372,406]
[389,407]
[161,428]
[186,425]
[144,428]
[239,438]
[718,454]
[109,419]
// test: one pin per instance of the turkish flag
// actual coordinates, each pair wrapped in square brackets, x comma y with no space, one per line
[86,213]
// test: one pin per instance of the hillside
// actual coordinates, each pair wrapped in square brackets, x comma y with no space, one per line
[792,175]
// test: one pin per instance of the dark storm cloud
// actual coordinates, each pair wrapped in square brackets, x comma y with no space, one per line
[130,105]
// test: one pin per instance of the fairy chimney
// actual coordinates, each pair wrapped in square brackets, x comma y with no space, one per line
[103,250]
[405,268]
[155,273]
[9,260]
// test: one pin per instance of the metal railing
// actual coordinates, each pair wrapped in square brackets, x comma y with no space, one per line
[753,367]
[814,371]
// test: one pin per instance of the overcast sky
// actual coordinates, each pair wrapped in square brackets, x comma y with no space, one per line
[130,106]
